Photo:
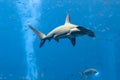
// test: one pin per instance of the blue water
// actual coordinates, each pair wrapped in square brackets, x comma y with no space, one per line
[22,59]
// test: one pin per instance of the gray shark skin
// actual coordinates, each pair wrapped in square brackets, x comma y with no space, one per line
[67,30]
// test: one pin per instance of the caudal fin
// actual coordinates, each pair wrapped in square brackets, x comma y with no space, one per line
[39,34]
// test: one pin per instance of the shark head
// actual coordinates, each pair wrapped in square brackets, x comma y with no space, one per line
[86,31]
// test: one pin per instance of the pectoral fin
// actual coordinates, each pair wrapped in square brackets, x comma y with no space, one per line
[73,41]
[57,40]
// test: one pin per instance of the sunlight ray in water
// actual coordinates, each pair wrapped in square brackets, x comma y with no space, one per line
[28,10]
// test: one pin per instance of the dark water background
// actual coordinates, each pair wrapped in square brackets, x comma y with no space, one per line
[59,61]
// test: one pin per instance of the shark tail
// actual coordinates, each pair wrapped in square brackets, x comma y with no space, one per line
[39,34]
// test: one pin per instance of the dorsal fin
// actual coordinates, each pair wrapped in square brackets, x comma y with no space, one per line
[67,19]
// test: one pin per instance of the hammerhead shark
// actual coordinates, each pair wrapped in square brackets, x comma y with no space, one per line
[67,30]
